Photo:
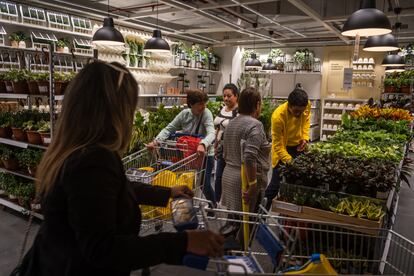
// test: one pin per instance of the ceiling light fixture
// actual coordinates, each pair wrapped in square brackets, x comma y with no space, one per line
[156,44]
[393,60]
[108,35]
[253,63]
[269,66]
[367,21]
[381,43]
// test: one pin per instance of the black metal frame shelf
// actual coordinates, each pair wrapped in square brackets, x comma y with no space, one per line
[19,208]
[20,174]
[19,144]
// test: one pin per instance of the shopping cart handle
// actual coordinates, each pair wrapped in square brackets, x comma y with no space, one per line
[195,261]
[180,134]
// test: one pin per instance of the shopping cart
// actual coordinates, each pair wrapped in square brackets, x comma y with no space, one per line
[348,251]
[169,164]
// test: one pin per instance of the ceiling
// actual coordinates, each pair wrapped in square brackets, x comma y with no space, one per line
[294,23]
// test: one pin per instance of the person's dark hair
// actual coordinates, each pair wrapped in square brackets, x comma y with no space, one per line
[233,89]
[248,100]
[298,97]
[196,96]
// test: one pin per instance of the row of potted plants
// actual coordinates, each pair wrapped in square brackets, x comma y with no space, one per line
[26,125]
[18,40]
[399,82]
[26,82]
[364,158]
[16,159]
[21,191]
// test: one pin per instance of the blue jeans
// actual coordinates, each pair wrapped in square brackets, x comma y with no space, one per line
[207,188]
[273,188]
[221,163]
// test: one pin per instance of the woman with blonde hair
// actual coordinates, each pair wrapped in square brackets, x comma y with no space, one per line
[91,212]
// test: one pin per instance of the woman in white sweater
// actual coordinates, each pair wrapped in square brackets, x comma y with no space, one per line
[227,113]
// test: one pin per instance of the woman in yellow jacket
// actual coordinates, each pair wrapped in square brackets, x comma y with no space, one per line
[290,135]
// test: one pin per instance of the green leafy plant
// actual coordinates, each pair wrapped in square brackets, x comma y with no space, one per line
[266,115]
[274,54]
[5,119]
[18,36]
[63,42]
[15,75]
[30,126]
[214,107]
[29,157]
[7,154]
[43,126]
[247,53]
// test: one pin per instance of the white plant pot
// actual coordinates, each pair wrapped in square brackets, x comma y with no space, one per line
[22,44]
[66,49]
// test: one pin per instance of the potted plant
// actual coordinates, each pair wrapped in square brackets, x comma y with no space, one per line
[303,59]
[11,187]
[32,83]
[3,185]
[44,131]
[17,39]
[390,85]
[25,193]
[9,159]
[5,121]
[17,122]
[30,159]
[404,81]
[17,80]
[33,135]
[62,45]
[61,81]
[42,80]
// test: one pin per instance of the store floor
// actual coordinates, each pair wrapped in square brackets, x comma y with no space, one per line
[13,226]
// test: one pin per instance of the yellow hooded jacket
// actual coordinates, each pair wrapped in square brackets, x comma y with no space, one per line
[285,125]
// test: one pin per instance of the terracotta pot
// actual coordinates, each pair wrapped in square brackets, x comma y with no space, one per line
[6,132]
[11,164]
[43,87]
[60,49]
[33,88]
[45,138]
[3,87]
[32,170]
[60,87]
[20,87]
[9,86]
[19,134]
[405,89]
[389,89]
[14,44]
[34,137]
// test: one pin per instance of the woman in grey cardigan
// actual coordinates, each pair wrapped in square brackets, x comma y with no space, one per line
[245,142]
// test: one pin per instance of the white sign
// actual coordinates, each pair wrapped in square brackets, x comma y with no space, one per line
[347,79]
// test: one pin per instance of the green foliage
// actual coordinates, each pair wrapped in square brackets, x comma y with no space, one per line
[303,56]
[62,42]
[25,191]
[359,208]
[29,157]
[18,36]
[7,153]
[274,54]
[266,115]
[395,127]
[43,126]
[215,107]
[30,126]
[5,119]
[24,116]
[247,53]
[15,75]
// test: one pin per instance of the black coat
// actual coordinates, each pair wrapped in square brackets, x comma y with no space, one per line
[92,221]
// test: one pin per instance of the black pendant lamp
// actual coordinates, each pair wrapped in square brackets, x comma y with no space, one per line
[156,44]
[269,66]
[393,60]
[381,43]
[253,62]
[108,35]
[394,69]
[367,21]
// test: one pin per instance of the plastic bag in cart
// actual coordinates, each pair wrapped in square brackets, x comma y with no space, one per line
[183,214]
[189,144]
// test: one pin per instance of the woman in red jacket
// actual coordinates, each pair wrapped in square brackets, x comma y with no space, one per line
[92,218]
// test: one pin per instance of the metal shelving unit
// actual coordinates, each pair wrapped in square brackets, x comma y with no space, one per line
[19,208]
[3,170]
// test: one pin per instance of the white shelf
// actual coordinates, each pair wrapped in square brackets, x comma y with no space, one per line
[345,100]
[194,69]
[364,70]
[19,144]
[45,28]
[363,63]
[332,119]
[37,50]
[329,129]
[13,96]
[281,73]
[19,208]
[17,174]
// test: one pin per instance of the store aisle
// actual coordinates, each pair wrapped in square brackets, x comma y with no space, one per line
[404,222]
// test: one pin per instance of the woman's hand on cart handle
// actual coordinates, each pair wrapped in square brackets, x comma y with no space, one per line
[181,191]
[205,243]
[152,145]
[201,149]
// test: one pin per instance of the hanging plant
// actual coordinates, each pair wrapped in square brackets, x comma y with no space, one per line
[274,54]
[247,53]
